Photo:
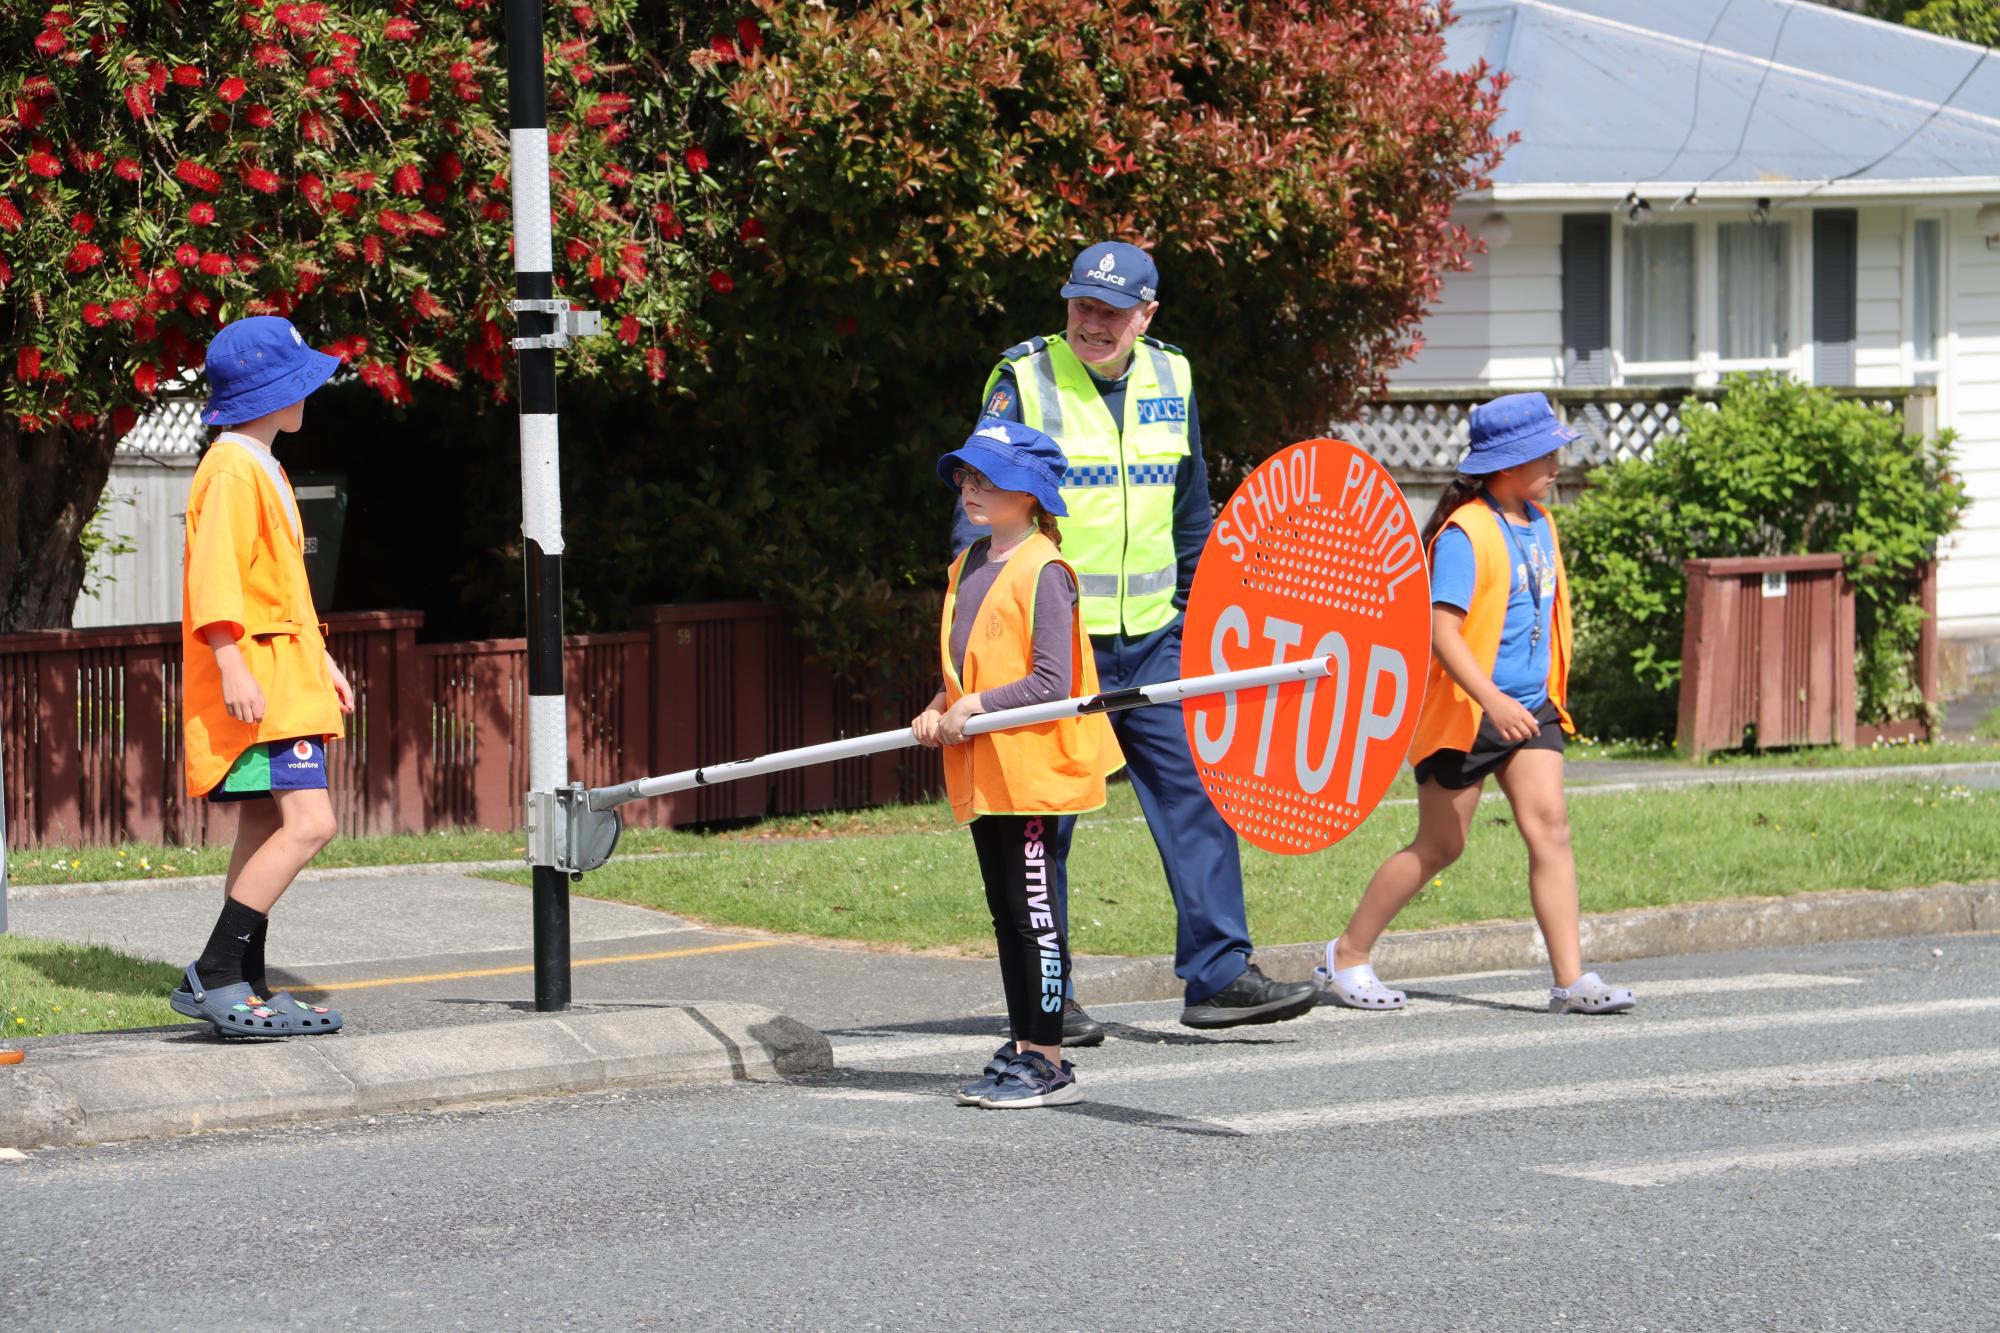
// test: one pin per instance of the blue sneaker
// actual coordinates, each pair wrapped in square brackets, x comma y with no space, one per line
[1032,1081]
[989,1077]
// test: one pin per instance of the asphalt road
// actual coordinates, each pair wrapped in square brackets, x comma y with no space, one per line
[1797,1139]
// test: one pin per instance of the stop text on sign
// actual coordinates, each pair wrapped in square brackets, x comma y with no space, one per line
[1299,569]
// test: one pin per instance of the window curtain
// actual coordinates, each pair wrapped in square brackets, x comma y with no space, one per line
[1659,292]
[1753,305]
[1926,261]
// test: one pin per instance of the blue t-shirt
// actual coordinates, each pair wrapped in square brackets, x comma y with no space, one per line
[1521,669]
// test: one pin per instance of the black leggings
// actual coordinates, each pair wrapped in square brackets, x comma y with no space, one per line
[1019,866]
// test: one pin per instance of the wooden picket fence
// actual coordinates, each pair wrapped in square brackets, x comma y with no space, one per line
[90,721]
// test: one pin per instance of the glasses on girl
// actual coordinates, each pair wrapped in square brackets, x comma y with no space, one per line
[973,477]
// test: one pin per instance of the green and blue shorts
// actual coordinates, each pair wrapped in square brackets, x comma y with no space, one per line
[272,766]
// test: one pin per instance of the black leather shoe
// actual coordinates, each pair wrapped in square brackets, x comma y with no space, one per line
[1079,1028]
[1251,998]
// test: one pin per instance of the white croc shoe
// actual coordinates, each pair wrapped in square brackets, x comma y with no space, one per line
[1356,987]
[1589,995]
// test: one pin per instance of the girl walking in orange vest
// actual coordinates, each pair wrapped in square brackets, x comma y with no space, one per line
[1495,703]
[261,694]
[1013,635]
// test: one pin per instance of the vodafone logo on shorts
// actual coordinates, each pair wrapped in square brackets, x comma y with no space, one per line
[302,750]
[1314,556]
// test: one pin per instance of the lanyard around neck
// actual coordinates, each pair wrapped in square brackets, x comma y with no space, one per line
[1534,576]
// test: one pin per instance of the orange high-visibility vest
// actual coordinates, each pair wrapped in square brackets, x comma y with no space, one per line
[1450,716]
[1057,768]
[246,570]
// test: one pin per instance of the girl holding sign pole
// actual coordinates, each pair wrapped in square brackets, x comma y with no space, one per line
[1013,635]
[1494,704]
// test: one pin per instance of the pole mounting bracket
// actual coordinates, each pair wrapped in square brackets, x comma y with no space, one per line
[564,833]
[570,323]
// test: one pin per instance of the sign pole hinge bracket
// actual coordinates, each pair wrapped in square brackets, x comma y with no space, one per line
[570,323]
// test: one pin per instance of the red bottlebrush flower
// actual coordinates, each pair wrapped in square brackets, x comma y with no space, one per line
[58,18]
[28,365]
[260,116]
[400,30]
[440,372]
[696,159]
[82,223]
[84,257]
[186,255]
[83,420]
[128,250]
[656,363]
[219,122]
[664,215]
[628,330]
[426,224]
[493,211]
[139,101]
[167,281]
[124,309]
[607,289]
[261,180]
[49,41]
[425,304]
[202,214]
[10,216]
[206,179]
[461,71]
[582,17]
[345,201]
[419,86]
[618,174]
[846,326]
[94,315]
[123,418]
[450,167]
[314,127]
[217,265]
[313,189]
[576,250]
[435,194]
[156,78]
[29,111]
[471,92]
[723,48]
[393,221]
[126,169]
[407,180]
[321,77]
[371,249]
[360,180]
[751,230]
[38,85]
[271,56]
[45,164]
[248,262]
[748,35]
[145,379]
[84,159]
[721,283]
[197,304]
[187,76]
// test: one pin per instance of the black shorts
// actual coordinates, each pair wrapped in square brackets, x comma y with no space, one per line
[1455,770]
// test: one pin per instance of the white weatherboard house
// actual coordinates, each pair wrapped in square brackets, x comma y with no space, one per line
[1703,186]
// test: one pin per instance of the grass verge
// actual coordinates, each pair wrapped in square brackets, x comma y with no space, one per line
[47,986]
[921,889]
[1886,754]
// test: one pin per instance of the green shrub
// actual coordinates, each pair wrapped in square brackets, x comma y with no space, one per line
[1774,468]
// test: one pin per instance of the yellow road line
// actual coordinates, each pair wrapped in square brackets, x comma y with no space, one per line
[320,989]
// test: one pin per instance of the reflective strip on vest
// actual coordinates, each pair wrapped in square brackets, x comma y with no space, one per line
[1119,487]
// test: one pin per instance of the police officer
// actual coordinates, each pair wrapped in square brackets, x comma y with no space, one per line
[1122,406]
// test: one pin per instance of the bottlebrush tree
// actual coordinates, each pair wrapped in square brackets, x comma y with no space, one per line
[166,167]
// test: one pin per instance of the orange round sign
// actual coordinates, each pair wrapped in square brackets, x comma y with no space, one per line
[1314,556]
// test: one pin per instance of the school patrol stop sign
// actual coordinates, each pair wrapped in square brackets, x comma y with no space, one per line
[1313,556]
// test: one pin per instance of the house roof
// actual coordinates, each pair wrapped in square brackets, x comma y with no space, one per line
[1736,98]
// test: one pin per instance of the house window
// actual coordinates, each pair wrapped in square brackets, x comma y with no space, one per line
[1753,291]
[1926,298]
[1659,293]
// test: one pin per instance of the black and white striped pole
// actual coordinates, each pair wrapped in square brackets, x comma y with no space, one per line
[545,325]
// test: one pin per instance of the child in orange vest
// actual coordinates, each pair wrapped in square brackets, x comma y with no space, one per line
[1494,703]
[1012,636]
[261,694]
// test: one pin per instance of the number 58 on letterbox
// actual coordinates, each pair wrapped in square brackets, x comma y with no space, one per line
[1314,556]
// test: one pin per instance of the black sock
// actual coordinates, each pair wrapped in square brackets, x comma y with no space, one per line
[253,959]
[221,963]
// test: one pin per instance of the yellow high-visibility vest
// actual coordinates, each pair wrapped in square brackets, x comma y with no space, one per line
[1120,484]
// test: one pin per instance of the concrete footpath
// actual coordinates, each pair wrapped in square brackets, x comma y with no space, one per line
[432,968]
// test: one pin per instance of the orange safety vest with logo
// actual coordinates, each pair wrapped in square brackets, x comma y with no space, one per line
[1450,716]
[1057,768]
[246,569]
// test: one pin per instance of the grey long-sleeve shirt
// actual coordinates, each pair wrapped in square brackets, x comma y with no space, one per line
[1055,610]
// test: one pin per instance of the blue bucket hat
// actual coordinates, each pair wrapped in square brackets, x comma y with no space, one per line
[1513,430]
[1014,458]
[258,365]
[1114,273]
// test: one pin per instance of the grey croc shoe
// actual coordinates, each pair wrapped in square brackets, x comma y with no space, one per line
[1356,987]
[314,1020]
[1589,995]
[235,1010]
